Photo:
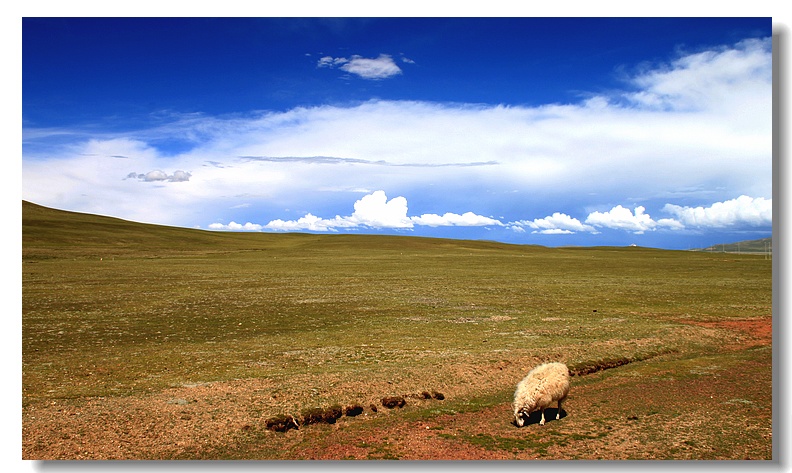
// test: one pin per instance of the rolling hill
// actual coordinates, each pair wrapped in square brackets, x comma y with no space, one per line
[52,233]
[763,245]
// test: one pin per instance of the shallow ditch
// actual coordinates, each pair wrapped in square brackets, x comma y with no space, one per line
[589,367]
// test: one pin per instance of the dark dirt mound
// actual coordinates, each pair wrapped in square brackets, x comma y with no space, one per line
[392,402]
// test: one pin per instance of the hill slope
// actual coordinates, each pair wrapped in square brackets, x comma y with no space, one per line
[49,232]
[52,233]
[762,245]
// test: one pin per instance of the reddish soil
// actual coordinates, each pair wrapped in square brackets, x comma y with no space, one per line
[747,332]
[721,411]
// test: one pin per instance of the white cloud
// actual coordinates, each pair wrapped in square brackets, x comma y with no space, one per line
[152,176]
[621,218]
[449,219]
[330,61]
[701,122]
[558,224]
[707,79]
[233,226]
[180,176]
[158,175]
[377,68]
[309,222]
[743,210]
[375,210]
[372,211]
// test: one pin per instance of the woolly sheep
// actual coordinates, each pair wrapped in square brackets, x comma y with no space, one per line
[543,385]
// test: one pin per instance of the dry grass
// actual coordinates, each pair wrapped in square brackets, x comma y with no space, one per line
[181,335]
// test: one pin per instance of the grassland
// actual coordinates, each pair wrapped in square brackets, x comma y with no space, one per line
[762,246]
[145,332]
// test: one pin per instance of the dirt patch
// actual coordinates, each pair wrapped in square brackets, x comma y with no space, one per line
[713,410]
[622,414]
[747,332]
[195,420]
[158,426]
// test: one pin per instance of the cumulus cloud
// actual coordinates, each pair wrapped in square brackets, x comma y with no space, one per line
[556,224]
[157,175]
[233,226]
[740,212]
[381,67]
[308,222]
[371,211]
[375,210]
[621,218]
[449,219]
[743,210]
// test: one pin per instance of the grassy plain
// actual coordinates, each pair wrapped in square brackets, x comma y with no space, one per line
[205,326]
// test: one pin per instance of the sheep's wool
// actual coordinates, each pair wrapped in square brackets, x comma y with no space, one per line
[545,384]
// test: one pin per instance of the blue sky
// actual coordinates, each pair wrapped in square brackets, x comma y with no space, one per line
[551,131]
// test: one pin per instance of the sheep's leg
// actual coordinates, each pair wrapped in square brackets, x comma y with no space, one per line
[558,415]
[542,422]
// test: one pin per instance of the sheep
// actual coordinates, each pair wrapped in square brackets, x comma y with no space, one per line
[543,385]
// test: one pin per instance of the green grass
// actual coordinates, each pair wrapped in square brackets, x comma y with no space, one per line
[118,308]
[536,444]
